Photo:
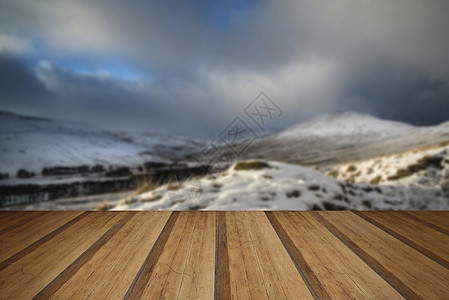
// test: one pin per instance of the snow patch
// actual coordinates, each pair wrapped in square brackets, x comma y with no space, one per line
[282,187]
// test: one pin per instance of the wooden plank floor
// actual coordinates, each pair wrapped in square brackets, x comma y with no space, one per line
[224,255]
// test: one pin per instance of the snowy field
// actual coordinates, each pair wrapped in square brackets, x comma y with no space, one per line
[281,186]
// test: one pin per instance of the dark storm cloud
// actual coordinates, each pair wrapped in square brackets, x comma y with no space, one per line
[19,86]
[201,62]
[17,79]
[402,94]
[100,99]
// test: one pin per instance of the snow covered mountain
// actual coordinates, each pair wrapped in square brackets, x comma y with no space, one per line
[35,143]
[416,178]
[351,124]
[343,137]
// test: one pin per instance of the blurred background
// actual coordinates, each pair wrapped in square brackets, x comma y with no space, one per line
[224,105]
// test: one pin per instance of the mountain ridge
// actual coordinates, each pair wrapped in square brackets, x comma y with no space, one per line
[343,137]
[344,123]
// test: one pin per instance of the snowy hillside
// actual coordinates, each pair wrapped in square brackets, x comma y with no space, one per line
[425,168]
[44,160]
[280,186]
[34,143]
[343,137]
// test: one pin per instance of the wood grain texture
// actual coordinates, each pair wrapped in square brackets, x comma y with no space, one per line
[185,270]
[438,220]
[280,280]
[82,283]
[429,242]
[198,280]
[80,261]
[343,274]
[222,281]
[41,241]
[224,255]
[246,278]
[19,236]
[139,284]
[121,274]
[40,267]
[9,218]
[313,284]
[411,273]
[170,268]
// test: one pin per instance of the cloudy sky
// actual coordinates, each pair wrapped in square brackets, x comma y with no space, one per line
[191,66]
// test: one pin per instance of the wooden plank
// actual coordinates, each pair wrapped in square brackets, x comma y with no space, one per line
[139,284]
[169,271]
[115,283]
[198,283]
[243,255]
[84,258]
[313,284]
[92,271]
[40,267]
[8,218]
[222,282]
[438,220]
[22,222]
[32,231]
[426,240]
[411,273]
[281,279]
[12,259]
[343,274]
[246,279]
